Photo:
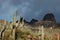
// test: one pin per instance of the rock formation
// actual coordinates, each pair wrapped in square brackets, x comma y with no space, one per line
[49,17]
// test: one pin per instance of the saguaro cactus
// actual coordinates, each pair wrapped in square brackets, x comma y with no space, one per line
[14,24]
[21,22]
[42,33]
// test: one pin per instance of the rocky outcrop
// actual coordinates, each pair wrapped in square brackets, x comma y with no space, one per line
[49,17]
[2,22]
[33,21]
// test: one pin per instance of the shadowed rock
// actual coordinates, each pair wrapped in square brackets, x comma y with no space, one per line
[49,17]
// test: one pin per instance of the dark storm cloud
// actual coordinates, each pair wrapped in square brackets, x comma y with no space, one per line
[30,8]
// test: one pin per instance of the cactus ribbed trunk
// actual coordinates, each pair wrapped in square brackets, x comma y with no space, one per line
[42,33]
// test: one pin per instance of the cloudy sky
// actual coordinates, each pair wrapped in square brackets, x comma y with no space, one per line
[29,8]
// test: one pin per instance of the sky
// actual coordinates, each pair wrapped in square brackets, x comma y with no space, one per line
[29,9]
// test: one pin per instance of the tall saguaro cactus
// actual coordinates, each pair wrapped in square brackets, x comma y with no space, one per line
[21,22]
[42,33]
[14,25]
